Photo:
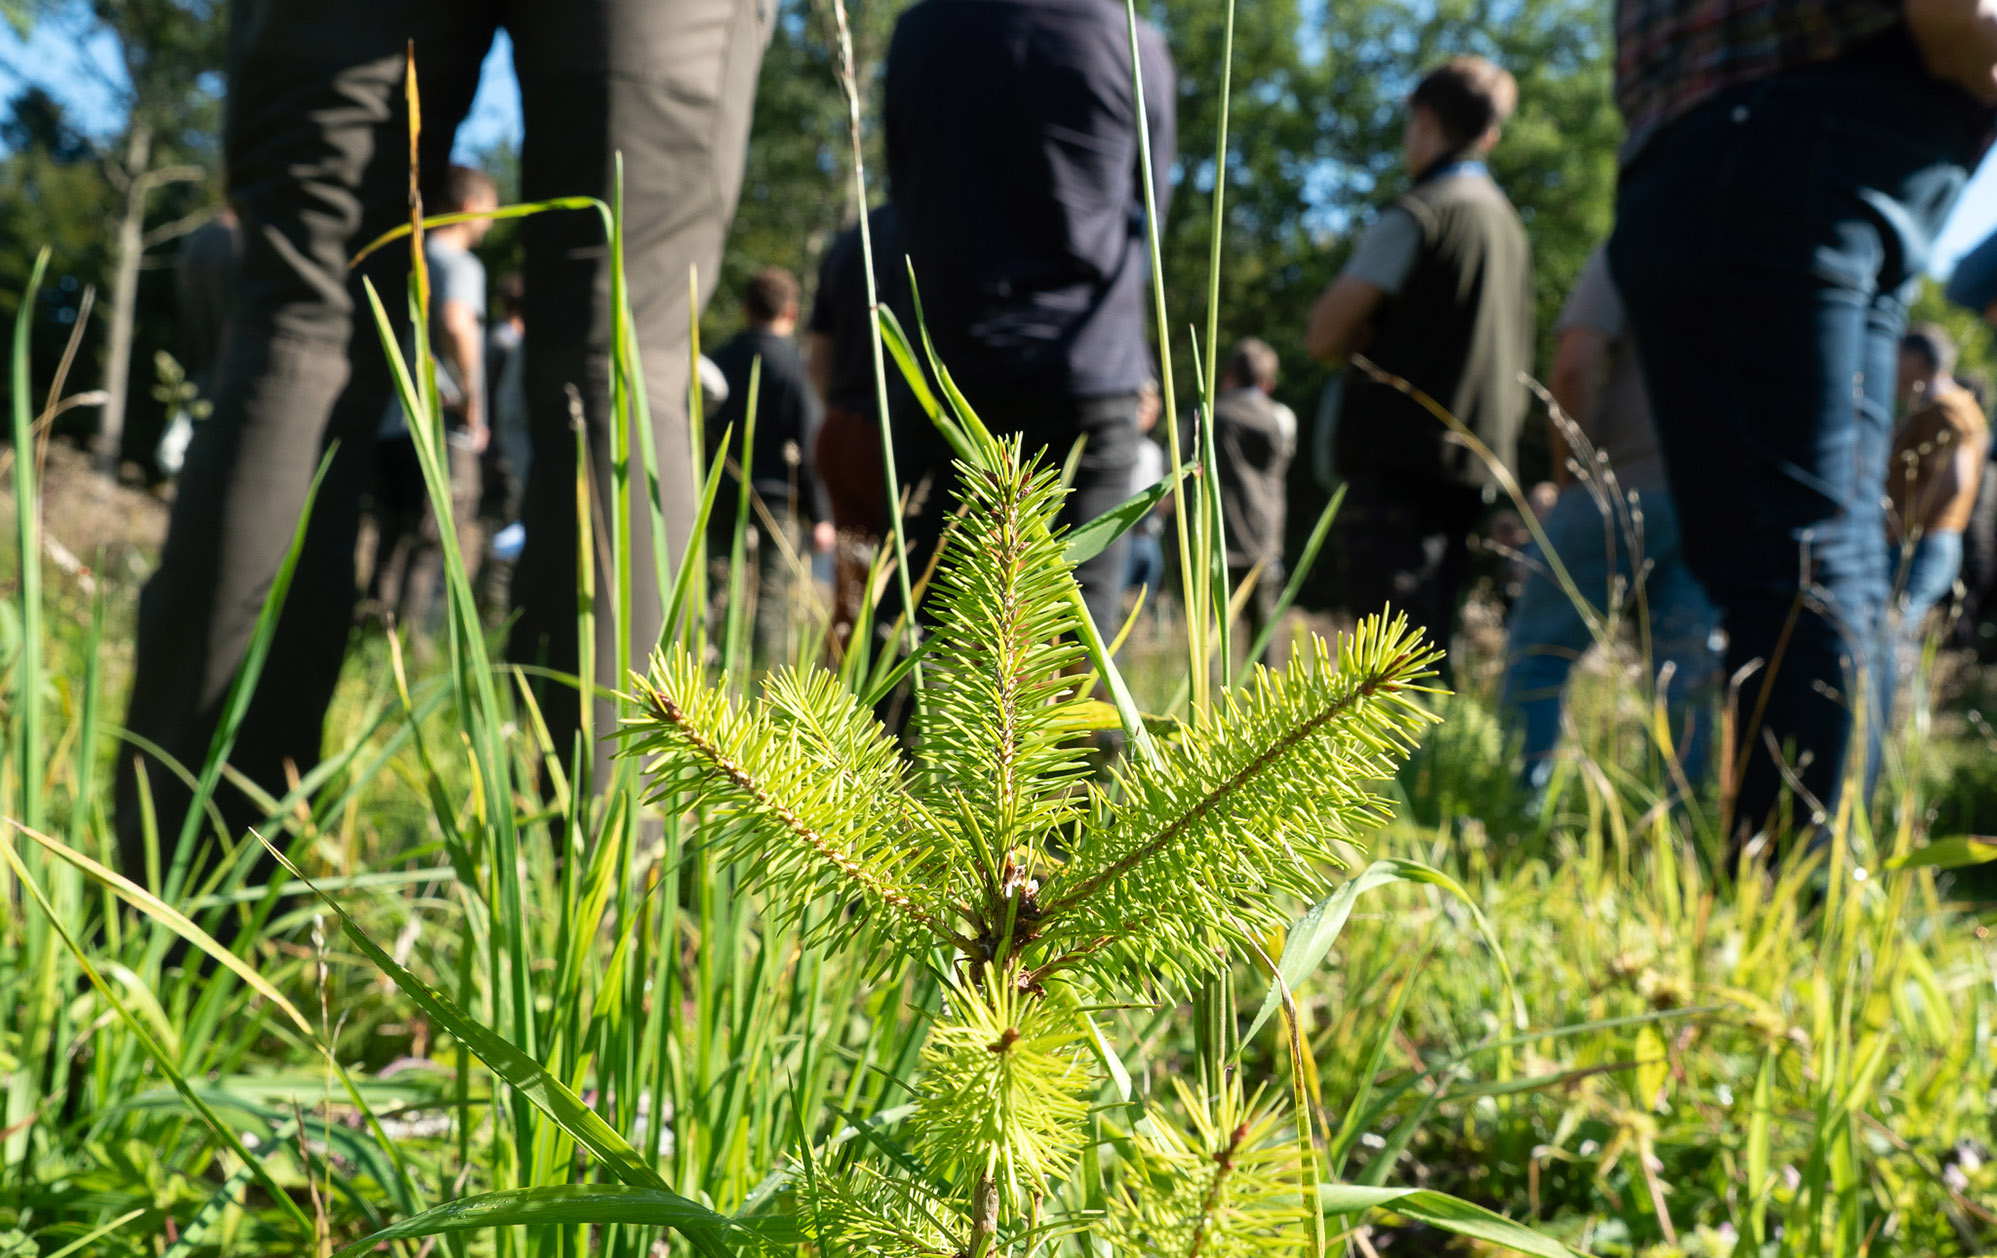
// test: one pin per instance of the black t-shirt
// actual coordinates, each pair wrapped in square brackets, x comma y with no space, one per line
[839,311]
[787,415]
[1012,148]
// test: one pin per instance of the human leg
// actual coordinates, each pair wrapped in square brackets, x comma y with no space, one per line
[1681,623]
[846,455]
[1547,630]
[668,86]
[1405,542]
[317,164]
[1931,574]
[1762,278]
[1102,480]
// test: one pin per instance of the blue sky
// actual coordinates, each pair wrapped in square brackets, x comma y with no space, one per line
[83,73]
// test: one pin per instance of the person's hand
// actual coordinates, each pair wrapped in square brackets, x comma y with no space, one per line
[481,436]
[1958,42]
[823,537]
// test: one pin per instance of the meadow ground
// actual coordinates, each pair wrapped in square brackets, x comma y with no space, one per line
[1802,1060]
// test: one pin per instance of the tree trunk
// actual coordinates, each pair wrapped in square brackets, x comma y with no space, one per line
[127,253]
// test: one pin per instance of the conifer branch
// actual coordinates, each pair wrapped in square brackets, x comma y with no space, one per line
[1255,801]
[810,785]
[1005,633]
[1390,678]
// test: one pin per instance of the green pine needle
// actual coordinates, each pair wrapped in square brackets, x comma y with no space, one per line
[1244,812]
[994,846]
[863,1212]
[994,743]
[1001,1091]
[807,791]
[1227,1188]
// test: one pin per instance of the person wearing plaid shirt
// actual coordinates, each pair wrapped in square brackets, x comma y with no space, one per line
[1789,164]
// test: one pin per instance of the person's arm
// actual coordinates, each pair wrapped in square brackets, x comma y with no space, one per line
[1961,470]
[1958,41]
[1341,322]
[1342,318]
[1580,365]
[463,351]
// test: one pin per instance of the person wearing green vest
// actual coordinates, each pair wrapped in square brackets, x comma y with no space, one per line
[1438,293]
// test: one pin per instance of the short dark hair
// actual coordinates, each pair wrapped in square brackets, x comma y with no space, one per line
[465,184]
[1932,342]
[1252,363]
[1468,96]
[771,293]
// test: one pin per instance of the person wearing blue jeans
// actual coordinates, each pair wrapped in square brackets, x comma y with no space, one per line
[1788,166]
[1615,531]
[1933,475]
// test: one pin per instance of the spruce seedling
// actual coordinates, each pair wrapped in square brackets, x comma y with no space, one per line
[992,855]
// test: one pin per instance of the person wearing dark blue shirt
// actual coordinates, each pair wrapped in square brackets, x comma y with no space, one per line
[1012,132]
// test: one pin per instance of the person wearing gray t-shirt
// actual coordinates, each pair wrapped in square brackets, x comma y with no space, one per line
[408,568]
[1616,532]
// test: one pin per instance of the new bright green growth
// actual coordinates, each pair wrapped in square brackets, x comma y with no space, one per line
[996,860]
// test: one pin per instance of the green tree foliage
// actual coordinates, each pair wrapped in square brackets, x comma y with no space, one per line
[112,205]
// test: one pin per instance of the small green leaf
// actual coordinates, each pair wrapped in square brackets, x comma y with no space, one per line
[1311,938]
[1440,1210]
[1086,714]
[1957,852]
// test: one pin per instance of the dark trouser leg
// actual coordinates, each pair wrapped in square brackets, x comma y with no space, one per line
[669,85]
[423,582]
[1406,547]
[318,164]
[1051,427]
[1761,246]
[398,507]
[1101,482]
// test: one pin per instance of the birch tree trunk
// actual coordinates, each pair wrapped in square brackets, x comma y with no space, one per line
[127,253]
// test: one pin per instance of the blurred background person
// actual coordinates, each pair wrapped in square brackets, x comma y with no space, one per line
[508,452]
[409,566]
[777,475]
[1146,567]
[1439,293]
[1932,475]
[839,358]
[318,164]
[1616,532]
[1012,135]
[1787,168]
[204,291]
[1255,437]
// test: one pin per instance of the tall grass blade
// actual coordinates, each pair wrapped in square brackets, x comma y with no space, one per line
[1439,1210]
[28,750]
[1310,940]
[243,688]
[525,1075]
[151,1047]
[587,1205]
